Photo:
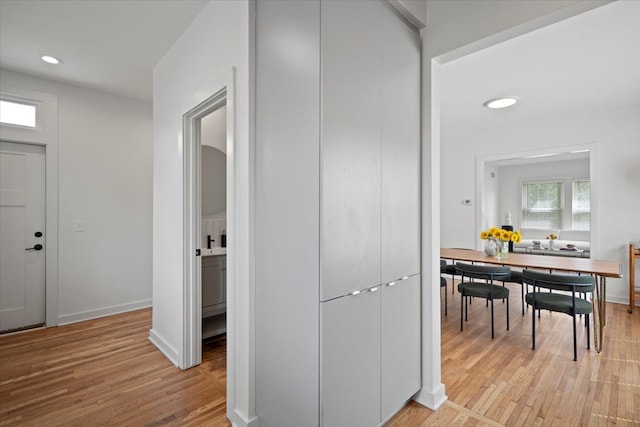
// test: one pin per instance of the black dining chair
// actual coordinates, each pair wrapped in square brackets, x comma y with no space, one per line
[449,269]
[516,277]
[481,284]
[550,292]
[443,283]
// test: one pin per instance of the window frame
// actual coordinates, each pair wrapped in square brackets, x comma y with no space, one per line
[561,184]
[24,101]
[573,204]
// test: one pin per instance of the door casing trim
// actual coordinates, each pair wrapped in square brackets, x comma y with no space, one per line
[45,134]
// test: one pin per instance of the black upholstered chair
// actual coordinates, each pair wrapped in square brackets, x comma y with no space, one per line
[516,277]
[449,269]
[443,283]
[480,284]
[545,296]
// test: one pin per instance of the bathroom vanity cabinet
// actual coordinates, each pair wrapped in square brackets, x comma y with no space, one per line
[214,295]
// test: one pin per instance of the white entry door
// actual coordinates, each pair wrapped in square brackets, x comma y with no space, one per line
[22,235]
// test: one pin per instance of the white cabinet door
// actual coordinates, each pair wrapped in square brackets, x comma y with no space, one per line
[400,149]
[350,146]
[400,344]
[287,213]
[214,291]
[350,361]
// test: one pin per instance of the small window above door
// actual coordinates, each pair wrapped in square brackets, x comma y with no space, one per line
[18,113]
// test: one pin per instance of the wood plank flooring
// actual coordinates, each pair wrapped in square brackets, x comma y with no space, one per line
[503,382]
[106,372]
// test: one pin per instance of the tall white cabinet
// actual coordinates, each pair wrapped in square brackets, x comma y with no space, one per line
[337,212]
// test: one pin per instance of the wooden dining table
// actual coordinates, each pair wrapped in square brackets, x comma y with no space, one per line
[601,270]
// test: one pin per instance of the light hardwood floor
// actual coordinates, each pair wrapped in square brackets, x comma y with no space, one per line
[503,382]
[106,372]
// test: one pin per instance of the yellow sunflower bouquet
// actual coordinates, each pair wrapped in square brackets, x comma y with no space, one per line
[500,236]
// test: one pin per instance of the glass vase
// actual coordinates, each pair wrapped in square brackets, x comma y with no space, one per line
[490,248]
[501,250]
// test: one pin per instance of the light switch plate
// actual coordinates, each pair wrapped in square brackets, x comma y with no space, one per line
[79,225]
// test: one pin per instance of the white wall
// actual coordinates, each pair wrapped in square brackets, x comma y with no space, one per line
[510,180]
[214,129]
[615,183]
[214,180]
[104,180]
[492,213]
[189,73]
[213,139]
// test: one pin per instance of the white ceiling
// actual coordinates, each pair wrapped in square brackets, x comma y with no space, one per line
[586,63]
[109,45]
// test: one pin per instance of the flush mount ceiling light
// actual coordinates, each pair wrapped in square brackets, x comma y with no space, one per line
[51,59]
[500,103]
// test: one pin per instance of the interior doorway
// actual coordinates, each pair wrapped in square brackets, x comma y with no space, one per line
[208,221]
[562,163]
[213,225]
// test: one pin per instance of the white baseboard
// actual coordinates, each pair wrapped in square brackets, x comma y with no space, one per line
[431,399]
[164,347]
[102,312]
[239,420]
[621,300]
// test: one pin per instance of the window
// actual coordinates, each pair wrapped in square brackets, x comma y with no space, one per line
[542,204]
[17,113]
[581,204]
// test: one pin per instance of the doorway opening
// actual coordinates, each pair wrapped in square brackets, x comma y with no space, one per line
[500,179]
[213,226]
[208,221]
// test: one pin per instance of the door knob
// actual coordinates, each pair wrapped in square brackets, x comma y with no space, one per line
[37,247]
[38,234]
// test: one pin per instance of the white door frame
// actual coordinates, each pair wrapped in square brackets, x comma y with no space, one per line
[192,289]
[45,133]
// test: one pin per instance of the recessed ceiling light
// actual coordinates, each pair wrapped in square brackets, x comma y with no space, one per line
[51,59]
[501,102]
